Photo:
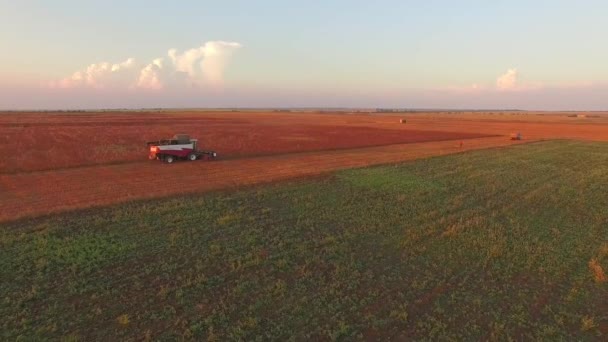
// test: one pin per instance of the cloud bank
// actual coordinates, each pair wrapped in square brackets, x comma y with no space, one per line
[203,66]
[100,75]
[189,78]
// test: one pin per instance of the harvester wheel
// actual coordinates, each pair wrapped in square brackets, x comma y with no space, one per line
[192,157]
[169,159]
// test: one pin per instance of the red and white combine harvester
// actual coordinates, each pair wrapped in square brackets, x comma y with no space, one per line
[179,147]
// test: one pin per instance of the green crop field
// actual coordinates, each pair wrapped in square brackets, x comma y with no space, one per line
[491,244]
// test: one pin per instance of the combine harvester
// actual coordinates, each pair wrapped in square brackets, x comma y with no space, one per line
[179,147]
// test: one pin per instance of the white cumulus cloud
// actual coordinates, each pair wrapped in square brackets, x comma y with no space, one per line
[150,77]
[217,55]
[100,75]
[507,81]
[196,67]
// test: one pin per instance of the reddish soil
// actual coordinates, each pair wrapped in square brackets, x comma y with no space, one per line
[65,144]
[59,142]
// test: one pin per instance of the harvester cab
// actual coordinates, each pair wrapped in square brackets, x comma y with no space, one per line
[178,147]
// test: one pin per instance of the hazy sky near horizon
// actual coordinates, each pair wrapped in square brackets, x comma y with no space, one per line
[416,54]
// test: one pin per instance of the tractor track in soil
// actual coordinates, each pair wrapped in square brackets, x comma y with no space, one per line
[139,161]
[57,147]
[46,192]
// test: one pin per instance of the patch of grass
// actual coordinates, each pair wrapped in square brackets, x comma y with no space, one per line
[494,244]
[390,179]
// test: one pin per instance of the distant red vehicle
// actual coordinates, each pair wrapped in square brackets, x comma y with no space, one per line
[179,147]
[516,136]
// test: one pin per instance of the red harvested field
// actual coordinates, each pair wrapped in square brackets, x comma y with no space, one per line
[45,156]
[57,141]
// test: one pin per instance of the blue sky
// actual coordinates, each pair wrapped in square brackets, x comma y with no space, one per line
[315,53]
